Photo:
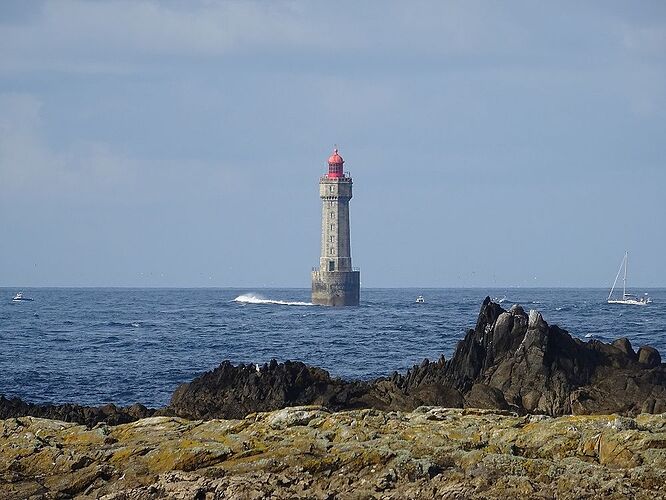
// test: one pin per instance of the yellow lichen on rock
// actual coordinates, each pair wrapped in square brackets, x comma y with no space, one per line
[309,452]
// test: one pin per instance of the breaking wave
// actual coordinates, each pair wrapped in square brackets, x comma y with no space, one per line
[129,324]
[257,299]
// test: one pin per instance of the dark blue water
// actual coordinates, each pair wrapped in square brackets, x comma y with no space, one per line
[93,346]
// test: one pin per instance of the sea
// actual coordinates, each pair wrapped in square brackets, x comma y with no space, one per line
[94,346]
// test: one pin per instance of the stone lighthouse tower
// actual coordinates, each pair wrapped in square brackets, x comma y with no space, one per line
[335,283]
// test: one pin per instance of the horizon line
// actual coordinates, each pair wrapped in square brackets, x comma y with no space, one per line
[265,287]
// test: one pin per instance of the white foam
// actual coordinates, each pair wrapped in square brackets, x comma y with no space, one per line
[257,299]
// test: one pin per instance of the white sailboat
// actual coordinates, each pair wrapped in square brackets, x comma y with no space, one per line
[627,298]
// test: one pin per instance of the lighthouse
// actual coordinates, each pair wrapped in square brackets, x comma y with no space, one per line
[335,282]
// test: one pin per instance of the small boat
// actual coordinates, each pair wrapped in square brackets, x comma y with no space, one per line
[627,298]
[420,299]
[19,297]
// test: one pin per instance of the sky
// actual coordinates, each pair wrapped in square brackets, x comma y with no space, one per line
[174,143]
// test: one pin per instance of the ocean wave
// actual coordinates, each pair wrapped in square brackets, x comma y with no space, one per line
[132,324]
[257,299]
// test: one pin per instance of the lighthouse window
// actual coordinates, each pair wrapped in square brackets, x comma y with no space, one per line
[331,265]
[332,239]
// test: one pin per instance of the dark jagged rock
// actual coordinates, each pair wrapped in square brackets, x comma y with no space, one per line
[90,416]
[511,360]
[542,369]
[234,391]
[649,356]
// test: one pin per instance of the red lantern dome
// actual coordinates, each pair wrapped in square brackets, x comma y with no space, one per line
[335,163]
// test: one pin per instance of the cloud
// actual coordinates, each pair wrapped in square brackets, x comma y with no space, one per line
[126,36]
[119,35]
[111,36]
[649,40]
[28,164]
[33,171]
[22,155]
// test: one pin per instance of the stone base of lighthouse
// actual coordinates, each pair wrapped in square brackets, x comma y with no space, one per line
[336,288]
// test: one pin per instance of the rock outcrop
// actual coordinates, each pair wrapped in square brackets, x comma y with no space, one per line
[537,368]
[87,415]
[511,360]
[309,452]
[234,391]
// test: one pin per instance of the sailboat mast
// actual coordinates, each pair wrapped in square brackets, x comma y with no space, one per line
[624,280]
[619,270]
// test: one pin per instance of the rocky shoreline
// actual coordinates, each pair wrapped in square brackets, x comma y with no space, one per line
[310,452]
[511,360]
[521,408]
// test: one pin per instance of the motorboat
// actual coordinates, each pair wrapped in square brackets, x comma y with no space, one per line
[627,298]
[420,299]
[19,297]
